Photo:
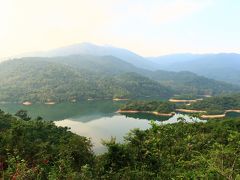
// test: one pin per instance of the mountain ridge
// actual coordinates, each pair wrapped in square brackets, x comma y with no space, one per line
[39,80]
[93,49]
[210,65]
[95,77]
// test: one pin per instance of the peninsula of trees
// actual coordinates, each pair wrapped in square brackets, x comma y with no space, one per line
[206,107]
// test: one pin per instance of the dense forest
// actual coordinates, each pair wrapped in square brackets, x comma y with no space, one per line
[40,81]
[157,106]
[77,77]
[37,149]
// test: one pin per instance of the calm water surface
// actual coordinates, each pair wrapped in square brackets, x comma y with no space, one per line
[94,119]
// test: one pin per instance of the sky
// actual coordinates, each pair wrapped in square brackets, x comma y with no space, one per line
[147,27]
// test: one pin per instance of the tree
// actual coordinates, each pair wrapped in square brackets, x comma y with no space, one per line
[22,114]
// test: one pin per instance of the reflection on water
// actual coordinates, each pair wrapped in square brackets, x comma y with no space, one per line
[146,116]
[233,114]
[103,128]
[116,126]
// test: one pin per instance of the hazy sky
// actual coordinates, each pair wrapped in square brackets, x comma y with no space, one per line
[148,27]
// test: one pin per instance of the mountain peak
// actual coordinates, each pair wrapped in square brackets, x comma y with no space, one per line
[86,48]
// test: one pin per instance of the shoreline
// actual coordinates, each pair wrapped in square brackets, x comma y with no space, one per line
[190,111]
[120,99]
[50,103]
[184,100]
[208,116]
[146,112]
[27,103]
[204,116]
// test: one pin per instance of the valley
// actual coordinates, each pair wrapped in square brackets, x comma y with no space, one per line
[119,111]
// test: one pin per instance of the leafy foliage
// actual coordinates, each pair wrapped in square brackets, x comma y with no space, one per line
[36,149]
[176,151]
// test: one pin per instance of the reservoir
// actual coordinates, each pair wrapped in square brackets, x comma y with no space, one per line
[96,120]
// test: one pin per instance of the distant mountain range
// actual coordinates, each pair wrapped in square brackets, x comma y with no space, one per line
[87,71]
[223,66]
[95,50]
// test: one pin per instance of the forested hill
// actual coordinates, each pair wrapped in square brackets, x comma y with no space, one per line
[181,82]
[96,50]
[75,77]
[107,65]
[40,81]
[214,66]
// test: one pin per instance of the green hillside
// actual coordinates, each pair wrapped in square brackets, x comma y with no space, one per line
[81,77]
[40,81]
[181,82]
[98,64]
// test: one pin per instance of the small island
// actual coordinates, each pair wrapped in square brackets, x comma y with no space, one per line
[120,99]
[184,100]
[27,103]
[50,103]
[150,107]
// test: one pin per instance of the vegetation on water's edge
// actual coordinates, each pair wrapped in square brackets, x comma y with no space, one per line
[211,106]
[153,106]
[189,96]
[36,149]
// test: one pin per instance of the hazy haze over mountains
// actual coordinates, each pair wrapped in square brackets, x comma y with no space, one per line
[214,66]
[86,71]
[222,66]
[92,49]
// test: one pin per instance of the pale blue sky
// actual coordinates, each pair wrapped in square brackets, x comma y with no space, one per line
[148,27]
